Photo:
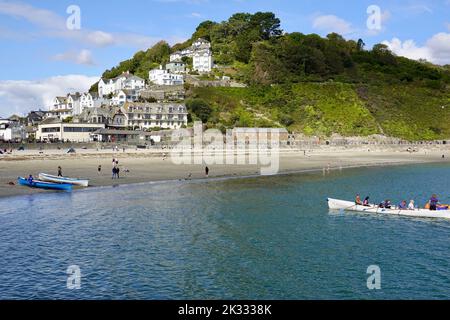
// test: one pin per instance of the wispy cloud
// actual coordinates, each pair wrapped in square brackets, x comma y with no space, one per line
[50,24]
[332,23]
[84,57]
[19,97]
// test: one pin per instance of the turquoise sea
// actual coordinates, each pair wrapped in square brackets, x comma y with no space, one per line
[253,238]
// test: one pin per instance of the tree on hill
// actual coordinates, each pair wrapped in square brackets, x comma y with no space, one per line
[200,108]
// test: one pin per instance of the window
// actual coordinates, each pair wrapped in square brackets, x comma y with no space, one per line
[58,129]
[79,129]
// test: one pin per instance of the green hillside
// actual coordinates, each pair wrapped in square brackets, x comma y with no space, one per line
[310,84]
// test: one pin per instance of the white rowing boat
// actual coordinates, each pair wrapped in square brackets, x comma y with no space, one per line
[73,181]
[335,204]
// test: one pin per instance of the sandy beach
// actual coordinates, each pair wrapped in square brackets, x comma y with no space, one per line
[144,165]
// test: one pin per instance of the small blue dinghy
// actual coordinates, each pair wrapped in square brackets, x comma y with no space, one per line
[44,185]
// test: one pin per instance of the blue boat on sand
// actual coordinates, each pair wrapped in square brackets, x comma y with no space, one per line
[44,185]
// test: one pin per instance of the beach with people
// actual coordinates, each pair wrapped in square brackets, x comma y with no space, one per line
[137,166]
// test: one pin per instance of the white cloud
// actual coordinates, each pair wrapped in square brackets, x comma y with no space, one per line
[408,49]
[332,23]
[439,45]
[21,96]
[83,57]
[52,25]
[436,49]
[196,15]
[100,38]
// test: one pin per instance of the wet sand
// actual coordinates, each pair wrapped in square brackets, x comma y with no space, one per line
[145,166]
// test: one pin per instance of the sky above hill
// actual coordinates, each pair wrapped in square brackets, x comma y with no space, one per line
[46,50]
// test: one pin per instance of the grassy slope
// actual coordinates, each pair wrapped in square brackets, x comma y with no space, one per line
[410,112]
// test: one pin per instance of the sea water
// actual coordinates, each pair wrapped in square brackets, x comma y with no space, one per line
[253,238]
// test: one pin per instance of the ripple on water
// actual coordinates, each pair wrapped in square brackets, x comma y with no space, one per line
[255,238]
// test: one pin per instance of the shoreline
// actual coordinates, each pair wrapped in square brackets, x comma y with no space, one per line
[146,168]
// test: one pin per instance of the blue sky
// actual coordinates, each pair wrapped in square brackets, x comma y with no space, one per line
[38,50]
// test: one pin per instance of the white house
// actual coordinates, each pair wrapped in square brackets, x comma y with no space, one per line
[125,81]
[61,108]
[91,100]
[203,61]
[12,131]
[122,96]
[73,102]
[164,77]
[200,52]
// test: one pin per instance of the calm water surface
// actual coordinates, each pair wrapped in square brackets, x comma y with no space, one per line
[257,238]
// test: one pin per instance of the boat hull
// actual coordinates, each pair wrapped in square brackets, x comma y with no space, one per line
[335,204]
[63,180]
[44,185]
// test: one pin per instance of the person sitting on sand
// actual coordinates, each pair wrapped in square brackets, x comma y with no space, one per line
[402,205]
[358,200]
[411,205]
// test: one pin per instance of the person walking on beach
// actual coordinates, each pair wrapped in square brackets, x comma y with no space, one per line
[99,169]
[207,172]
[114,172]
[60,172]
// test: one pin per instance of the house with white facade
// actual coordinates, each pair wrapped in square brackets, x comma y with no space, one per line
[156,115]
[123,96]
[61,108]
[73,102]
[12,131]
[91,100]
[200,52]
[126,81]
[203,61]
[165,78]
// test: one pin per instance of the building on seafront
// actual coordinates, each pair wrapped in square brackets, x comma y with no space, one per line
[132,136]
[52,130]
[156,115]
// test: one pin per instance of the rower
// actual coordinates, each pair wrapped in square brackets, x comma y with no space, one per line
[402,205]
[386,204]
[358,200]
[434,201]
[366,202]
